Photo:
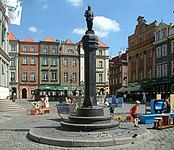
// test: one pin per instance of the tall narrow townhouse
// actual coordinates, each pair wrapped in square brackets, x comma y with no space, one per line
[102,67]
[162,59]
[141,53]
[49,63]
[14,70]
[118,73]
[4,54]
[28,68]
[70,63]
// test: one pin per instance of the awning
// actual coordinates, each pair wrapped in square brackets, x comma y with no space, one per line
[79,88]
[132,87]
[122,89]
[47,88]
[64,88]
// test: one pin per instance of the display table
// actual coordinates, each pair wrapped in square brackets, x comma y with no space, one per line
[149,118]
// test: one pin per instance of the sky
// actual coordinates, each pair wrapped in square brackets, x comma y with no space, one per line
[114,20]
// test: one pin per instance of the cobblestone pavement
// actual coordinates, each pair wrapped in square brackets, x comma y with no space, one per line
[15,125]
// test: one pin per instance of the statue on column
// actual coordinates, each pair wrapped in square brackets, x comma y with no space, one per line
[89,18]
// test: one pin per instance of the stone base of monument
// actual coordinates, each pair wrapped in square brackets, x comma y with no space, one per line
[88,119]
[126,133]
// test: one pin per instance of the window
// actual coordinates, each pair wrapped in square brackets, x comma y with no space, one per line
[25,48]
[32,61]
[44,75]
[65,77]
[172,67]
[13,62]
[69,51]
[158,36]
[164,70]
[74,62]
[53,50]
[13,78]
[100,78]
[3,69]
[150,53]
[53,62]
[164,50]
[100,52]
[32,49]
[150,73]
[74,77]
[32,76]
[13,47]
[65,62]
[24,61]
[141,75]
[100,64]
[45,61]
[45,49]
[32,92]
[158,52]
[158,71]
[172,46]
[53,76]
[164,33]
[24,76]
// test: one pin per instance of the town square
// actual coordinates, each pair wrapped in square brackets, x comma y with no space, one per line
[78,75]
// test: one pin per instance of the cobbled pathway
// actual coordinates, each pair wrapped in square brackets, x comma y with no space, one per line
[15,125]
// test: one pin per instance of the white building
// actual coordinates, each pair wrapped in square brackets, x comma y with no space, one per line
[4,57]
[102,67]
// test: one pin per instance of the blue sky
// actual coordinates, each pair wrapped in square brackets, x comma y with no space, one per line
[114,20]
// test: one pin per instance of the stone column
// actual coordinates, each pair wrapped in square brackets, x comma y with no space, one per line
[90,42]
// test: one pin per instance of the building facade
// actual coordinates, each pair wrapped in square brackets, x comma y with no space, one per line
[49,68]
[70,63]
[118,73]
[141,53]
[4,54]
[28,68]
[164,38]
[14,70]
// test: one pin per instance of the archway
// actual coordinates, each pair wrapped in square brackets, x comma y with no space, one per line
[24,93]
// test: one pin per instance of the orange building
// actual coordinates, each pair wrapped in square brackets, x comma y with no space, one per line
[28,65]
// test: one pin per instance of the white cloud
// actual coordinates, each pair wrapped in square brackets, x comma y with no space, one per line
[75,2]
[102,26]
[32,29]
[80,31]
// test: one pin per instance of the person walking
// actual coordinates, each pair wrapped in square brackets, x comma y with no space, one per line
[14,97]
[134,113]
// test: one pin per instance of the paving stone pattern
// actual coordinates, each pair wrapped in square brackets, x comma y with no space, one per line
[14,127]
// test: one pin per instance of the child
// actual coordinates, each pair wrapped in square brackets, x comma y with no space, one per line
[134,113]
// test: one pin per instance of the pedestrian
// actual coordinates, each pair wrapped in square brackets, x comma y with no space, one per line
[14,97]
[134,113]
[46,102]
[112,110]
[144,98]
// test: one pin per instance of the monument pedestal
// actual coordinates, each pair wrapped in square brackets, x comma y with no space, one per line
[88,119]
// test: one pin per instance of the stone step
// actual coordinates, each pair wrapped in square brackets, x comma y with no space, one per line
[6,106]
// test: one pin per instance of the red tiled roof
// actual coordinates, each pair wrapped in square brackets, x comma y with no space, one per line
[12,37]
[49,39]
[101,44]
[28,39]
[68,41]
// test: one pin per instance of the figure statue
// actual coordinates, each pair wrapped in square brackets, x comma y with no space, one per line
[89,18]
